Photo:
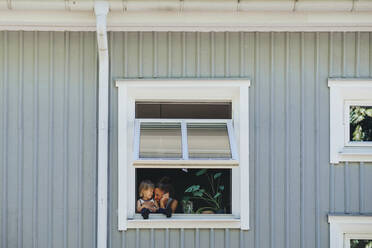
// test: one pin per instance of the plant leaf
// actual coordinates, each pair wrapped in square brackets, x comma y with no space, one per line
[369,112]
[217,175]
[192,188]
[201,172]
[198,193]
[217,195]
[358,133]
[222,187]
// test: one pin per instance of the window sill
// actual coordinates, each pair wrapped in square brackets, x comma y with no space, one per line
[185,221]
[179,163]
[356,154]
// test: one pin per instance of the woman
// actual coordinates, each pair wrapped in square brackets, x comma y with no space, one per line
[164,192]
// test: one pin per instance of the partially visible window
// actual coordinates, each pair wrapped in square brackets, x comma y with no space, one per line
[360,123]
[350,120]
[360,243]
[357,240]
[347,231]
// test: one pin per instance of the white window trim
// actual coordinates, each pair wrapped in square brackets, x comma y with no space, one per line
[130,91]
[343,228]
[344,92]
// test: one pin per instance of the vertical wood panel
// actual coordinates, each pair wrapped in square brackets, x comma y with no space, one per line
[13,139]
[21,146]
[46,201]
[323,150]
[50,141]
[3,144]
[294,140]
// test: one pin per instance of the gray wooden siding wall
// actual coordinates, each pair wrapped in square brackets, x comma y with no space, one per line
[48,113]
[48,89]
[292,185]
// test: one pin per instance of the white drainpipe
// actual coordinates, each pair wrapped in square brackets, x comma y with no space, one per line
[101,9]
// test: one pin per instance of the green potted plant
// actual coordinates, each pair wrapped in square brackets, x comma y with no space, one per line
[213,198]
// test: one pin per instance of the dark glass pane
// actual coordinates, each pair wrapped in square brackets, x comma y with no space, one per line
[160,140]
[208,140]
[360,243]
[361,123]
[183,110]
[196,190]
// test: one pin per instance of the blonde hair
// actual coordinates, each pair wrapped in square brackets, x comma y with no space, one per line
[145,185]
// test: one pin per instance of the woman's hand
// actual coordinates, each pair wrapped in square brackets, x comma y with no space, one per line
[164,200]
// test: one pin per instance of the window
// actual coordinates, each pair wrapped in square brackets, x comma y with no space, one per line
[358,241]
[208,139]
[350,120]
[350,231]
[185,141]
[358,123]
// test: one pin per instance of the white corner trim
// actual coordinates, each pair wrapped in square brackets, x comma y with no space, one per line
[181,90]
[342,93]
[101,10]
[347,225]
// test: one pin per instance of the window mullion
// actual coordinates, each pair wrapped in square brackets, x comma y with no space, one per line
[137,131]
[185,149]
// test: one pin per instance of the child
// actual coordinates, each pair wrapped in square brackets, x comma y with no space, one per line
[146,204]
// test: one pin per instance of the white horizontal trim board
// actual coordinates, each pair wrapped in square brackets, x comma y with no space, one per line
[217,164]
[185,223]
[235,91]
[55,20]
[190,5]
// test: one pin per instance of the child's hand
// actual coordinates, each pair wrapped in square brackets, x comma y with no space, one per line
[153,209]
[147,205]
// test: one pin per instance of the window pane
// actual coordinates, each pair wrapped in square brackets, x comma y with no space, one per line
[197,191]
[360,123]
[160,140]
[183,110]
[360,243]
[208,140]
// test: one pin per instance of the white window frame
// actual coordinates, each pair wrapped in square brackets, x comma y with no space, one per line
[235,91]
[343,228]
[343,93]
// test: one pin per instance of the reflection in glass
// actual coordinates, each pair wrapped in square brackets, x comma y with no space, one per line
[160,140]
[208,140]
[360,123]
[360,243]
